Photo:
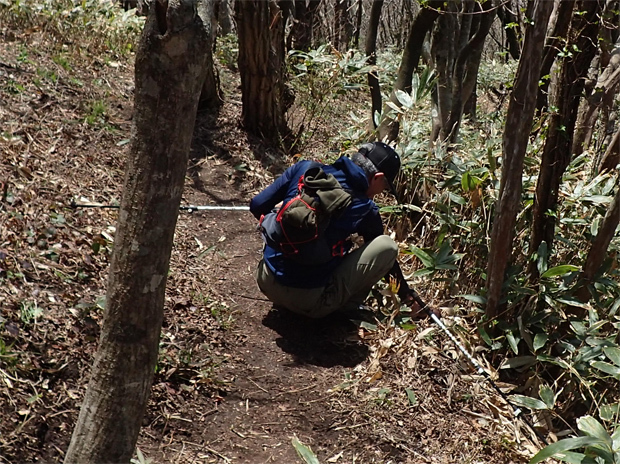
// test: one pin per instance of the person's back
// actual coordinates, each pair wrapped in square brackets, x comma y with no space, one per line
[360,217]
[316,286]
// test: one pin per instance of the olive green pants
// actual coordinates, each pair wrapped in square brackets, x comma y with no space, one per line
[348,287]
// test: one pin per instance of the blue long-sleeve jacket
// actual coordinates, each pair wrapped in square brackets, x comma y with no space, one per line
[362,217]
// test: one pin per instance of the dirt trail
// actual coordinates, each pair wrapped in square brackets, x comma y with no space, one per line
[285,376]
[280,367]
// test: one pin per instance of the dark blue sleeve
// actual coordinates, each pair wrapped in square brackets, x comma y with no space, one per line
[371,226]
[266,200]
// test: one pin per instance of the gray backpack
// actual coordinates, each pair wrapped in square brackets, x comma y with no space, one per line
[296,229]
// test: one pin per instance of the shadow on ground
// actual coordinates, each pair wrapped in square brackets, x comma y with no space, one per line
[327,342]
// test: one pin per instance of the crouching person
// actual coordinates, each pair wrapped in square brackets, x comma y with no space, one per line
[309,264]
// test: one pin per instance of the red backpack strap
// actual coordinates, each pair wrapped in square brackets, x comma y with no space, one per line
[338,248]
[300,183]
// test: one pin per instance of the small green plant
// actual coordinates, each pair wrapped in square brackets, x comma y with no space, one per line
[382,397]
[444,259]
[140,458]
[599,447]
[304,452]
[62,61]
[47,75]
[222,314]
[23,55]
[7,357]
[219,310]
[13,87]
[29,312]
[97,113]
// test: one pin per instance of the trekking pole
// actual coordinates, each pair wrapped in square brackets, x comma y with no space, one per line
[515,409]
[189,208]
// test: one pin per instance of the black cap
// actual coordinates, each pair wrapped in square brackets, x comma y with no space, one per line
[385,159]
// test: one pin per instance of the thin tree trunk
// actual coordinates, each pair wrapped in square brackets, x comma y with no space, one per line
[211,96]
[611,158]
[601,96]
[371,46]
[358,24]
[470,105]
[553,46]
[466,70]
[303,25]
[462,52]
[519,121]
[509,22]
[343,28]
[225,16]
[558,144]
[170,68]
[423,22]
[443,52]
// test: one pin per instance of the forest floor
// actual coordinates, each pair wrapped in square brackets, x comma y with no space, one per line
[237,381]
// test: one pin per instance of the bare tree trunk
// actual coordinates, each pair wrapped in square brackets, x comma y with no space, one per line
[513,38]
[461,53]
[471,105]
[303,24]
[211,96]
[601,97]
[466,70]
[598,250]
[128,4]
[260,26]
[553,46]
[371,47]
[225,16]
[343,28]
[411,56]
[170,68]
[444,54]
[518,123]
[558,144]
[358,23]
[611,158]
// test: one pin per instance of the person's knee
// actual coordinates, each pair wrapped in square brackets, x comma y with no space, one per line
[386,247]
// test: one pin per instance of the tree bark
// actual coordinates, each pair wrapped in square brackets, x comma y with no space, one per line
[553,46]
[260,27]
[225,17]
[466,70]
[513,38]
[169,70]
[423,23]
[611,158]
[358,23]
[371,46]
[461,53]
[211,96]
[518,122]
[471,105]
[601,97]
[303,24]
[558,144]
[343,27]
[444,54]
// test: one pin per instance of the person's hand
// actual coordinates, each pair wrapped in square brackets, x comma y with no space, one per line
[417,312]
